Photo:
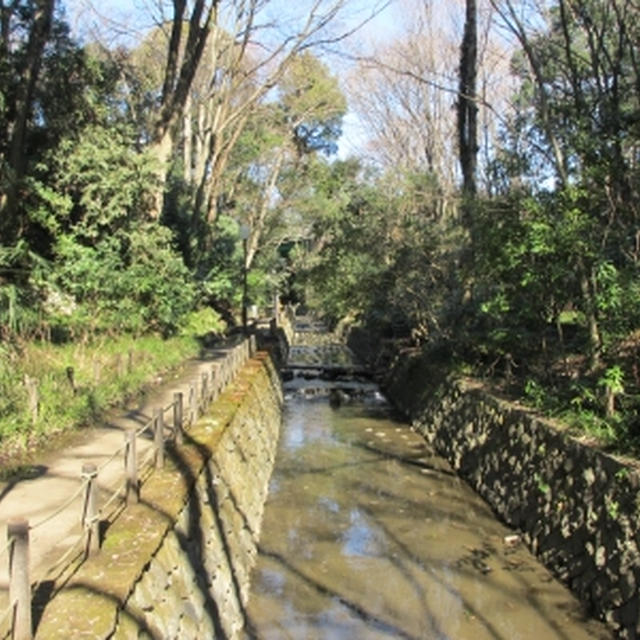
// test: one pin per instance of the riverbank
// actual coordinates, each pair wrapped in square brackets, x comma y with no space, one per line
[368,534]
[576,507]
[176,564]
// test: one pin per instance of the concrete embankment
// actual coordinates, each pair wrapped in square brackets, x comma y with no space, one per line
[577,508]
[177,564]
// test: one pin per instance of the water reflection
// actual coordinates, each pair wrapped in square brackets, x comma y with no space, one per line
[368,534]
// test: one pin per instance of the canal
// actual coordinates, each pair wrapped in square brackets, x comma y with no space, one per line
[368,534]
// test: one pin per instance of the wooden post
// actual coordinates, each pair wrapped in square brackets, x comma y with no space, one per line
[19,582]
[205,390]
[223,375]
[192,404]
[177,417]
[215,392]
[158,436]
[90,519]
[131,467]
[32,391]
[71,377]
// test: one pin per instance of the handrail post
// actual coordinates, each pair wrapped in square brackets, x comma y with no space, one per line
[192,404]
[90,519]
[19,582]
[215,382]
[223,375]
[131,467]
[177,417]
[204,393]
[158,437]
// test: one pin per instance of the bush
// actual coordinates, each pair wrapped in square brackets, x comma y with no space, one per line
[130,282]
[202,323]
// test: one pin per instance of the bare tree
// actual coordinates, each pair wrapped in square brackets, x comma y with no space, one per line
[519,22]
[187,40]
[310,99]
[406,92]
[217,70]
[245,72]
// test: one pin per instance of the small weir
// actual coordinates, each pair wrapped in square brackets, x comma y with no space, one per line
[368,534]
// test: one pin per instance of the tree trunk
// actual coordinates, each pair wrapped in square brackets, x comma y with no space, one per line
[187,150]
[17,130]
[467,108]
[180,71]
[259,220]
[162,151]
[588,299]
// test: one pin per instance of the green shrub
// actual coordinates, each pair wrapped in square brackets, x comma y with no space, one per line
[201,323]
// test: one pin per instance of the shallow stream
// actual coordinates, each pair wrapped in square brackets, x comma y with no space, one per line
[368,534]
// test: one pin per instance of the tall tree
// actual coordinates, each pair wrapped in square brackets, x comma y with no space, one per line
[467,100]
[403,92]
[306,121]
[579,72]
[24,31]
[186,44]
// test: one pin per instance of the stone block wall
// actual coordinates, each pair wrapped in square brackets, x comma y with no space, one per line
[177,564]
[577,508]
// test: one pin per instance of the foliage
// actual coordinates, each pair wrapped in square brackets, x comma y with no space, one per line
[537,284]
[387,268]
[313,104]
[132,281]
[102,183]
[202,323]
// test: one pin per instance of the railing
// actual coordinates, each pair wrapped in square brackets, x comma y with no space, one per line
[15,620]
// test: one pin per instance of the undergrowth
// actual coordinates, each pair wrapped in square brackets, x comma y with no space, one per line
[75,383]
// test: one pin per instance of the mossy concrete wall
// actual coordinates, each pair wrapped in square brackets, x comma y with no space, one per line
[177,564]
[577,508]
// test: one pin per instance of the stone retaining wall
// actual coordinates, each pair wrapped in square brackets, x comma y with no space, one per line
[577,508]
[177,564]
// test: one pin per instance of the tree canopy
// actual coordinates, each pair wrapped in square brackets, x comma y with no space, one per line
[490,213]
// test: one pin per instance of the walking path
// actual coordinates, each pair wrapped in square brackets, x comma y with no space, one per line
[47,501]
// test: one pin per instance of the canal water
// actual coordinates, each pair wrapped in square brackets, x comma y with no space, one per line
[368,534]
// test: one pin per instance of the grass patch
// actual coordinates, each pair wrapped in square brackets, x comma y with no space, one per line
[47,389]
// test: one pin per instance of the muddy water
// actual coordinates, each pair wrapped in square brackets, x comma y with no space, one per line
[368,534]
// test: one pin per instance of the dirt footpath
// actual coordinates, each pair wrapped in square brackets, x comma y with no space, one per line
[45,499]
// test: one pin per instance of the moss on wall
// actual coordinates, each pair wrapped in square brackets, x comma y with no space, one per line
[177,564]
[578,508]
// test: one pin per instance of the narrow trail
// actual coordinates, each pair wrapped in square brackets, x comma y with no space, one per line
[44,498]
